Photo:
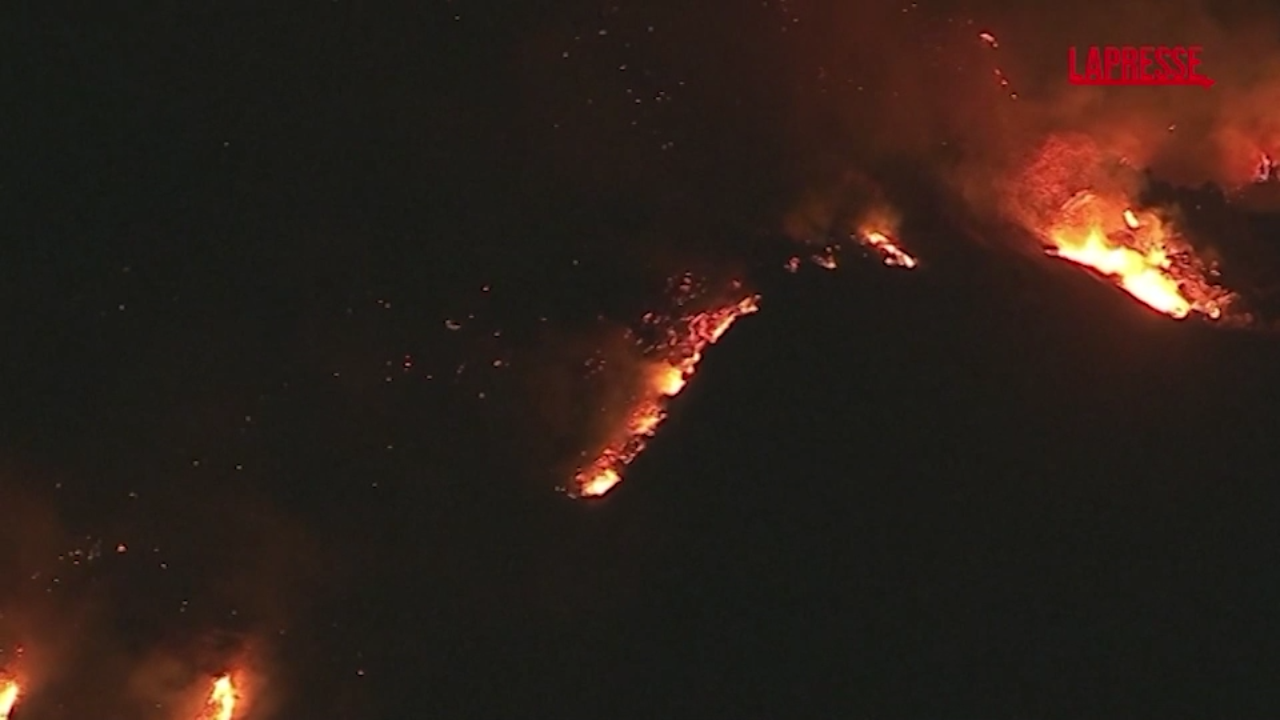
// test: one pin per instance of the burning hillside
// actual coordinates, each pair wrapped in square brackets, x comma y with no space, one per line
[1140,252]
[1080,203]
[659,131]
[679,338]
[672,362]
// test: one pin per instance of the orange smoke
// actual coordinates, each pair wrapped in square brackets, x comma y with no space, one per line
[222,701]
[9,693]
[686,340]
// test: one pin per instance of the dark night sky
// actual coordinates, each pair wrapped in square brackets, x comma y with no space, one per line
[992,487]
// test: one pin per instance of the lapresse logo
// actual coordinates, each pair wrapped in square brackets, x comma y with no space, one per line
[1136,65]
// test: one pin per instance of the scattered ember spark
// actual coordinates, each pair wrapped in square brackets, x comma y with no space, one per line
[793,264]
[221,704]
[1139,251]
[994,44]
[682,349]
[1004,84]
[882,243]
[9,692]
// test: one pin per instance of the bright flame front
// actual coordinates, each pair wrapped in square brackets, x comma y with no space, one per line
[221,704]
[892,253]
[1138,251]
[9,693]
[878,230]
[686,341]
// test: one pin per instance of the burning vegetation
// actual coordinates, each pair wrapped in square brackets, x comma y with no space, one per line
[672,361]
[878,231]
[223,698]
[1079,201]
[10,691]
[1140,252]
[893,255]
[683,336]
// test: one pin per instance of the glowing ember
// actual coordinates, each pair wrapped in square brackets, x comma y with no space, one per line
[670,380]
[1266,170]
[827,260]
[685,343]
[888,249]
[9,692]
[221,704]
[1139,252]
[600,483]
[989,39]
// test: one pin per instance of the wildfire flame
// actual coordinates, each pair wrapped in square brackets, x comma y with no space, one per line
[683,350]
[827,259]
[1266,170]
[9,692]
[893,254]
[221,704]
[1139,251]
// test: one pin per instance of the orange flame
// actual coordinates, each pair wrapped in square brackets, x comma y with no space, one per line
[1266,170]
[826,260]
[893,255]
[685,346]
[9,693]
[1139,252]
[877,230]
[221,704]
[670,380]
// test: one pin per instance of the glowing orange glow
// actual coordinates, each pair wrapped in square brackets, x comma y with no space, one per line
[670,380]
[221,704]
[600,483]
[686,340]
[1139,252]
[1265,170]
[826,260]
[889,249]
[9,693]
[646,420]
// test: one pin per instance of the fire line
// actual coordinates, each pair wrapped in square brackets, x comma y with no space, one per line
[687,342]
